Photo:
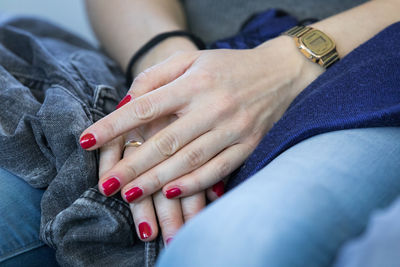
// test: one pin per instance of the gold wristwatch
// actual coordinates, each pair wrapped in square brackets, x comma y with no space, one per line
[315,45]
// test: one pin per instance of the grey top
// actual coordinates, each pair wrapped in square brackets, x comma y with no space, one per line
[215,19]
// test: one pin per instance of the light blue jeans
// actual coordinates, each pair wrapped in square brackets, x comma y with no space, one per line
[19,224]
[301,208]
[297,211]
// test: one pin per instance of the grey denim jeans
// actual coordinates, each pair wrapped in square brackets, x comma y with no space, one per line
[53,85]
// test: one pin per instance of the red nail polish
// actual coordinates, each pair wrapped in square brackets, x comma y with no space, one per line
[87,141]
[133,193]
[111,185]
[144,230]
[169,240]
[219,188]
[174,192]
[125,100]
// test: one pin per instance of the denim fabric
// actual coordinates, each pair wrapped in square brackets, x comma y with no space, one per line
[300,209]
[379,246]
[53,85]
[19,239]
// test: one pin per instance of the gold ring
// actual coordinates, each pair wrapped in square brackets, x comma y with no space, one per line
[133,143]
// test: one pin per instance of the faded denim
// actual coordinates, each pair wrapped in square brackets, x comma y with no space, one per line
[50,91]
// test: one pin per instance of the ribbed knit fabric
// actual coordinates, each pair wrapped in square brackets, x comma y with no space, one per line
[361,90]
[216,19]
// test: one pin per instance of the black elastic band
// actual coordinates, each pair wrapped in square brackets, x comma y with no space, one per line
[153,42]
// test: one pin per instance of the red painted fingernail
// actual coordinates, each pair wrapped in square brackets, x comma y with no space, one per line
[111,185]
[133,194]
[219,188]
[124,100]
[144,230]
[87,141]
[174,192]
[169,240]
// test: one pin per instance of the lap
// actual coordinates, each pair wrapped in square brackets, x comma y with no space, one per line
[19,224]
[300,208]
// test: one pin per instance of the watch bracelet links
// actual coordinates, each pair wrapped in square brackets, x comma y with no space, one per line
[327,60]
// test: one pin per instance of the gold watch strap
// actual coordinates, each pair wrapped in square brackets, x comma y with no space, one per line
[325,61]
[297,31]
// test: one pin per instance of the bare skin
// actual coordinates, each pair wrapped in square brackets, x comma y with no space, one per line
[215,110]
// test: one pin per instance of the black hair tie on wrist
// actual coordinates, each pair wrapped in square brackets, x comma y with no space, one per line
[153,42]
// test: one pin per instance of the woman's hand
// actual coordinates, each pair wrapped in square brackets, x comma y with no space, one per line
[225,101]
[171,213]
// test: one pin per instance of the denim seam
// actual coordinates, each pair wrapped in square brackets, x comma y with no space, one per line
[19,251]
[115,204]
[85,107]
[90,194]
[28,77]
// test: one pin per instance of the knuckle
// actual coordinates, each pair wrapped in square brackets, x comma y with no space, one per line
[223,169]
[205,75]
[243,122]
[187,215]
[157,181]
[201,79]
[167,222]
[128,167]
[112,127]
[195,183]
[225,107]
[193,158]
[144,108]
[142,77]
[228,100]
[166,144]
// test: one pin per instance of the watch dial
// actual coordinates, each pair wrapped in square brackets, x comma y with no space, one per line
[317,42]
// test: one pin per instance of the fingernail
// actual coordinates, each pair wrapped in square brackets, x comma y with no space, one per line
[169,240]
[133,194]
[125,100]
[87,141]
[174,192]
[219,188]
[111,185]
[144,230]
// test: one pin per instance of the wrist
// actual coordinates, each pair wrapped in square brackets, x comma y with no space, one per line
[162,51]
[299,70]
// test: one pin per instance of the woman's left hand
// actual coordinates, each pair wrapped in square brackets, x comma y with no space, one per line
[225,101]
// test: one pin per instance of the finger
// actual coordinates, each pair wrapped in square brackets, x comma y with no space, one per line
[170,69]
[110,154]
[169,215]
[142,110]
[145,219]
[192,205]
[211,172]
[134,135]
[217,190]
[150,79]
[189,158]
[156,149]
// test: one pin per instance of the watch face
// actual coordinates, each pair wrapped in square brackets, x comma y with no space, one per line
[317,42]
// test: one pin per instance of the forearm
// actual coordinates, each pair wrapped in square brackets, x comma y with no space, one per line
[353,27]
[124,26]
[348,29]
